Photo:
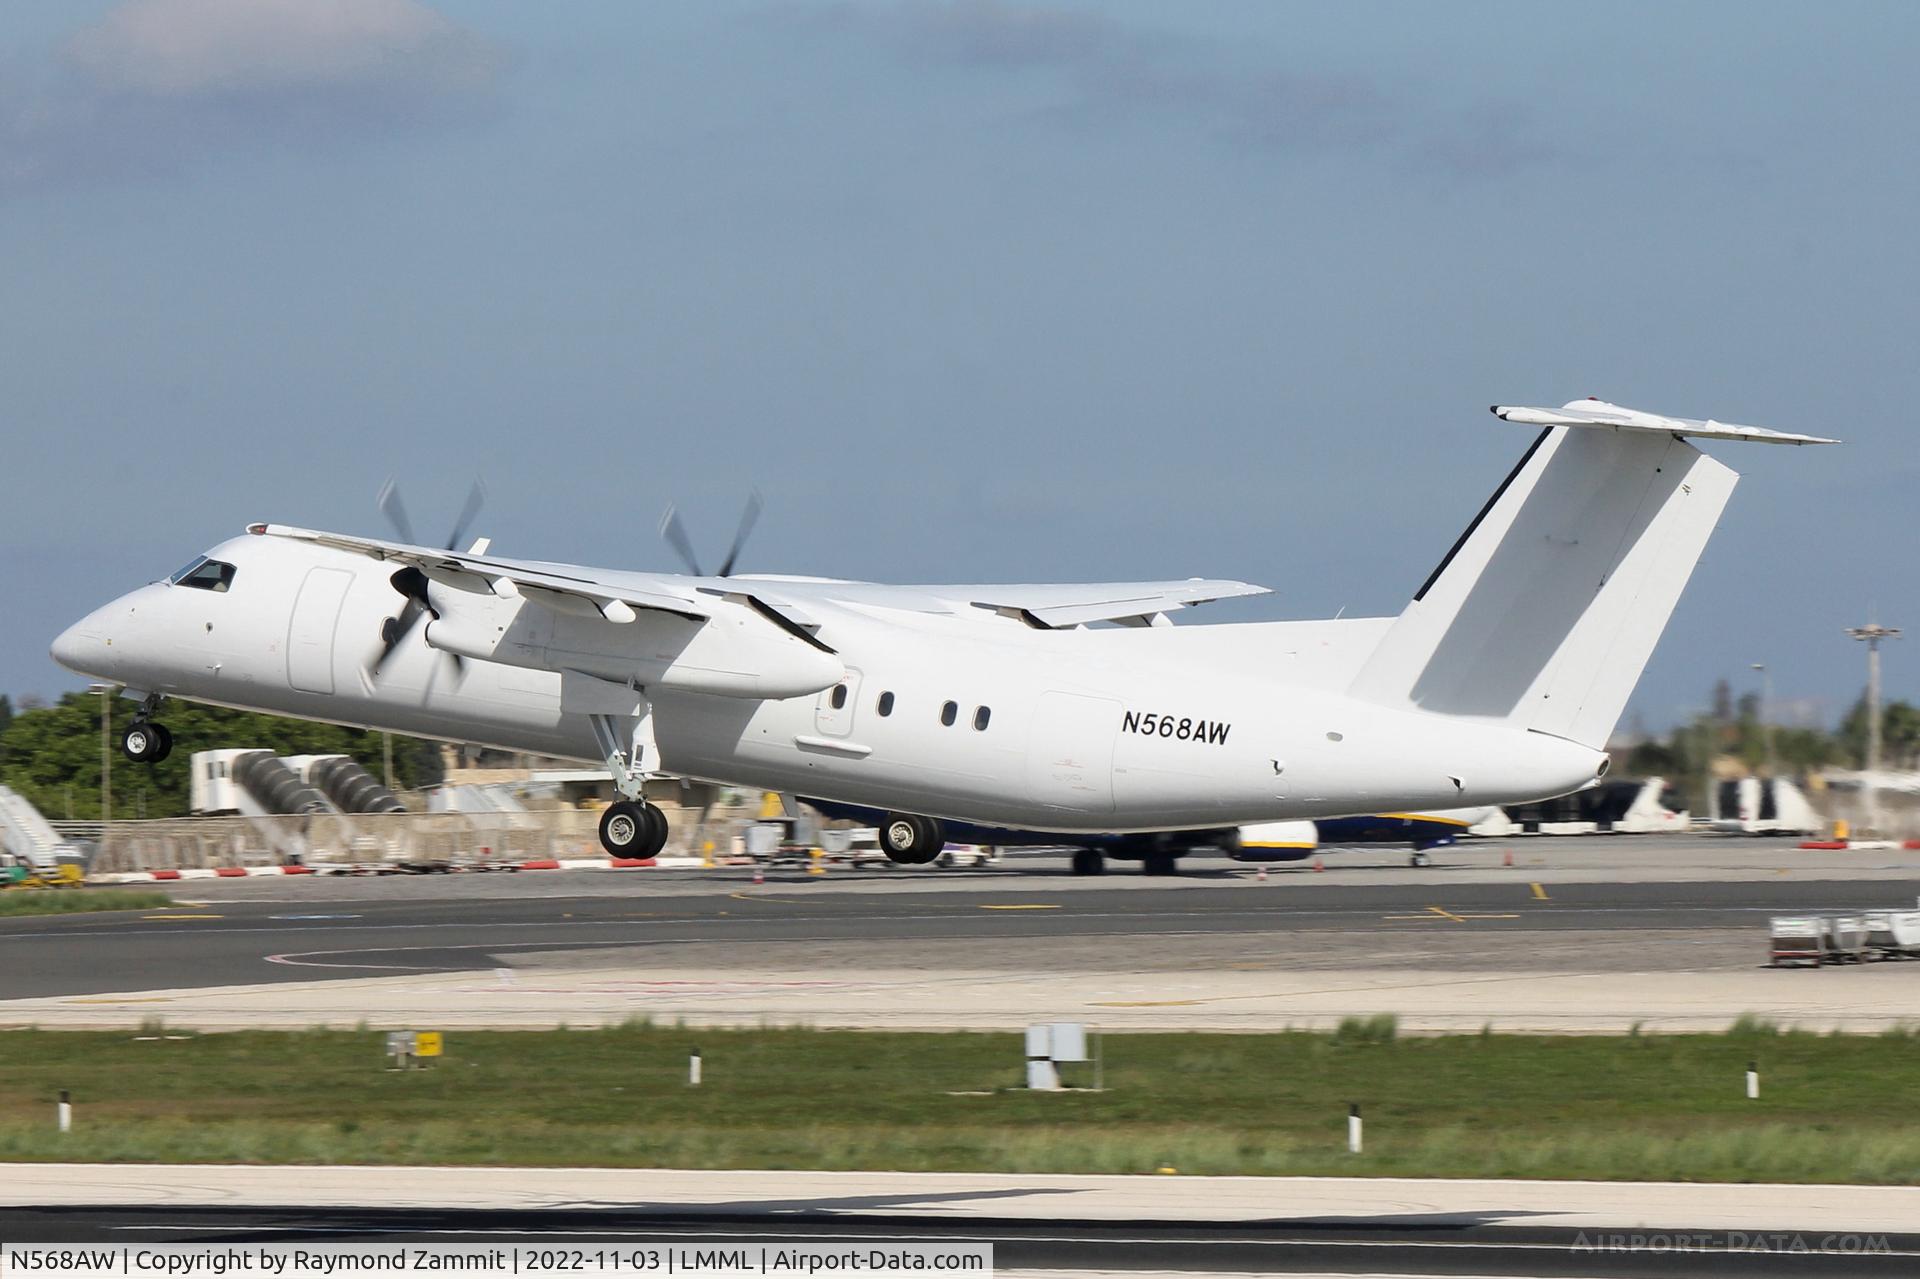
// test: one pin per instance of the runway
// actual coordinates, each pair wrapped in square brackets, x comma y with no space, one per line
[1133,1225]
[1058,1249]
[1547,943]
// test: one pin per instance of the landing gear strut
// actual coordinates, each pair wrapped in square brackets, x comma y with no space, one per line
[143,741]
[631,827]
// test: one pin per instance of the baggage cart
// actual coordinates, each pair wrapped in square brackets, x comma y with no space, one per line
[1798,939]
[1846,939]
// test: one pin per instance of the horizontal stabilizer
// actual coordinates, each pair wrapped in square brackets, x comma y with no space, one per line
[1592,412]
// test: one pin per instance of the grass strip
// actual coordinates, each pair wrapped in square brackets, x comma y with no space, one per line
[1669,1107]
[73,901]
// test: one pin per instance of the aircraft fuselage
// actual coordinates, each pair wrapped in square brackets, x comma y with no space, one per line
[1106,729]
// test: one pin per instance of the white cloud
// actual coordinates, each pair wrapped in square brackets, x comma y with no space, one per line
[184,48]
[157,87]
[1112,72]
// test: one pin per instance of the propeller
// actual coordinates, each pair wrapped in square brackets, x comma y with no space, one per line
[675,534]
[411,582]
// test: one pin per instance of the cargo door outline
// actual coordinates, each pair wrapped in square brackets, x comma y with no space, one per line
[316,616]
[1070,752]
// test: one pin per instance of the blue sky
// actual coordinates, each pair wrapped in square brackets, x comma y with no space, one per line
[972,291]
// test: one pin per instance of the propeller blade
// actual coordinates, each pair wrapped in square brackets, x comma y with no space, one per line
[412,584]
[476,498]
[394,632]
[395,511]
[748,518]
[676,535]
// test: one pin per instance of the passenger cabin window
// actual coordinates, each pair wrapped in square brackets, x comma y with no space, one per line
[949,713]
[205,575]
[839,697]
[885,704]
[981,715]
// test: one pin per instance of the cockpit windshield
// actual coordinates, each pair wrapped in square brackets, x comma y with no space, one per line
[204,574]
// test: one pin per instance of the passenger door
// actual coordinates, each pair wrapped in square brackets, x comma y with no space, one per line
[834,712]
[316,615]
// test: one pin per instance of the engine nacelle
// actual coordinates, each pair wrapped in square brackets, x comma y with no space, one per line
[733,652]
[1275,842]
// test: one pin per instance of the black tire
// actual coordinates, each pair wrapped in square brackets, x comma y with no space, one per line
[138,742]
[657,831]
[625,829]
[910,840]
[165,747]
[1160,864]
[1089,861]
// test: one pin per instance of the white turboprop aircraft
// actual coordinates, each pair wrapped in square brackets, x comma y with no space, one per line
[986,705]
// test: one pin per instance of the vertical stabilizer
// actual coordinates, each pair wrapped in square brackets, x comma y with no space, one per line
[1545,612]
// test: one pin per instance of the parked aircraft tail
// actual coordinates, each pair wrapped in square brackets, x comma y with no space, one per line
[1548,607]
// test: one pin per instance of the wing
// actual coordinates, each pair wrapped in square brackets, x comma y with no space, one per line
[1042,606]
[565,588]
[618,595]
[1049,607]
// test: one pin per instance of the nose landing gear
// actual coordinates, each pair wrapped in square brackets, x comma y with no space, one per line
[143,741]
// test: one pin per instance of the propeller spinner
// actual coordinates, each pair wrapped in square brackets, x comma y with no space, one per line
[411,582]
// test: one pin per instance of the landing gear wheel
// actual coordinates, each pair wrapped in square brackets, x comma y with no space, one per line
[1089,861]
[657,831]
[1160,864]
[633,830]
[1420,859]
[911,841]
[145,742]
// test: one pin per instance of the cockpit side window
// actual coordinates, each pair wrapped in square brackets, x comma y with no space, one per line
[205,575]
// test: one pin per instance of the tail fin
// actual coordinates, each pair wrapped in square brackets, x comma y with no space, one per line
[1546,610]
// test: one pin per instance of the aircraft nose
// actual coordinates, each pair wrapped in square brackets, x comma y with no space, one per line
[82,647]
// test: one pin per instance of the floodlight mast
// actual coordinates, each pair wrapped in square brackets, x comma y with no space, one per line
[1766,718]
[1872,633]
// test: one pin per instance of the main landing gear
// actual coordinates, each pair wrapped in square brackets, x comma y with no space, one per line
[1089,861]
[631,827]
[143,741]
[911,841]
